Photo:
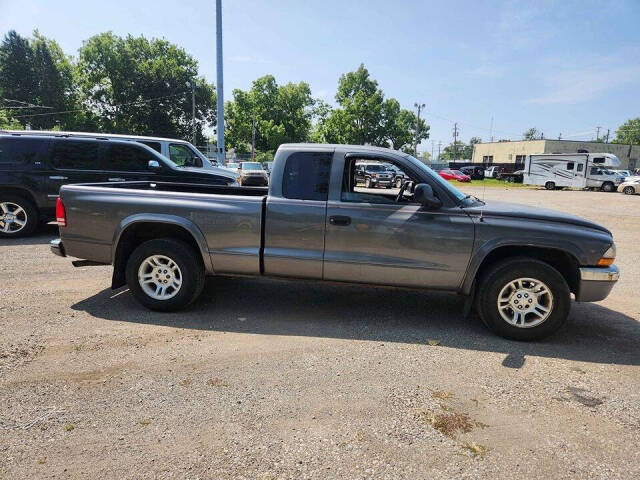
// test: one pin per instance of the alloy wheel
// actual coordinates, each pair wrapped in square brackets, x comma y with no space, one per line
[13,217]
[160,277]
[525,302]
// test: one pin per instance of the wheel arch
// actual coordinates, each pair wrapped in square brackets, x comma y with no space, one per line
[21,192]
[565,261]
[136,229]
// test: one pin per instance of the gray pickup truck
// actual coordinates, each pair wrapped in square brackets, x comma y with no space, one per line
[516,265]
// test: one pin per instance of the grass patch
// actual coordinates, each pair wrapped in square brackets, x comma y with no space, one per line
[217,382]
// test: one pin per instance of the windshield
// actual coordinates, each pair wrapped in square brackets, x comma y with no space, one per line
[232,165]
[375,168]
[453,191]
[251,166]
[457,172]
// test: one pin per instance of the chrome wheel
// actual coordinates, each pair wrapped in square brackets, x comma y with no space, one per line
[628,190]
[525,302]
[160,277]
[13,217]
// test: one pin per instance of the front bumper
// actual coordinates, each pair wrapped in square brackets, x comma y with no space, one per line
[57,248]
[596,283]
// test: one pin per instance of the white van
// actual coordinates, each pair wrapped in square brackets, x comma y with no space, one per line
[573,170]
[182,153]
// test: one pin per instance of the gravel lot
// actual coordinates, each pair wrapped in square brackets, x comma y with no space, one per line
[271,379]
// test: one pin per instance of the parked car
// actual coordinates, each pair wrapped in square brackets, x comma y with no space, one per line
[252,174]
[398,176]
[34,167]
[454,175]
[475,172]
[374,174]
[513,177]
[493,172]
[518,264]
[180,152]
[630,186]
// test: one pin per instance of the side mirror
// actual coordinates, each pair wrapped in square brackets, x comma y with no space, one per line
[154,165]
[423,194]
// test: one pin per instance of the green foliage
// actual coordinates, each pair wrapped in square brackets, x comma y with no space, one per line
[139,86]
[9,123]
[533,134]
[37,72]
[282,113]
[365,117]
[629,132]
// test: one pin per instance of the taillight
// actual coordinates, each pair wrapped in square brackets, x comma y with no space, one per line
[61,215]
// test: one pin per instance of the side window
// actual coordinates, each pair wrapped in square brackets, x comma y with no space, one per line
[580,167]
[598,160]
[128,158]
[75,154]
[595,171]
[570,165]
[183,156]
[381,184]
[20,150]
[306,176]
[153,146]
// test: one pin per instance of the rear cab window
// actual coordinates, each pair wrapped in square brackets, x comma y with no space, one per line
[20,150]
[75,155]
[306,176]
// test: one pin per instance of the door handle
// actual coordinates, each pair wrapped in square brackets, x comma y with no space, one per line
[116,179]
[58,177]
[340,220]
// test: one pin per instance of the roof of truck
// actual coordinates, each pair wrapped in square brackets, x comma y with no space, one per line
[56,133]
[333,146]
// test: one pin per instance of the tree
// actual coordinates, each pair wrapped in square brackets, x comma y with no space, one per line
[8,123]
[282,114]
[532,134]
[138,86]
[365,117]
[37,73]
[454,151]
[629,132]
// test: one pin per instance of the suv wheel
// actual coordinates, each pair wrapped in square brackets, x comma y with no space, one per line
[165,274]
[367,183]
[550,186]
[628,190]
[398,182]
[608,187]
[523,299]
[18,216]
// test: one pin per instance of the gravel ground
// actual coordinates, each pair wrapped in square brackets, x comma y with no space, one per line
[271,379]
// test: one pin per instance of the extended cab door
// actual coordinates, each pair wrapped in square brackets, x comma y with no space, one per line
[371,238]
[295,213]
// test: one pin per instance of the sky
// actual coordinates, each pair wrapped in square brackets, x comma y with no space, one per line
[564,67]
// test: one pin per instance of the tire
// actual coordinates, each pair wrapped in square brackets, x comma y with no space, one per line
[533,324]
[608,187]
[398,183]
[190,273]
[629,191]
[510,179]
[367,183]
[17,209]
[550,186]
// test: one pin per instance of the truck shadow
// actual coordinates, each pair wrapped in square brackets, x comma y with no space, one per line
[43,235]
[277,307]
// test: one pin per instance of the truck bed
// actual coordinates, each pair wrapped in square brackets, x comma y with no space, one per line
[226,221]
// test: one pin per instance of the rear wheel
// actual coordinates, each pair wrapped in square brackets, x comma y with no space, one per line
[398,182]
[629,190]
[550,185]
[607,187]
[165,274]
[18,216]
[523,299]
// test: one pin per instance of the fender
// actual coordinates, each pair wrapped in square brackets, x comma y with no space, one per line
[488,247]
[160,218]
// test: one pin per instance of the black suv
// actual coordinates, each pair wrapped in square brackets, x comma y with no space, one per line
[374,175]
[476,173]
[34,167]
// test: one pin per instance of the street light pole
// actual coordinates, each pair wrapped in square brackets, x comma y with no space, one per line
[253,139]
[219,87]
[415,140]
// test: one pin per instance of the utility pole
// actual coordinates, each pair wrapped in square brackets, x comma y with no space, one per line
[455,142]
[439,145]
[193,111]
[491,129]
[220,154]
[253,139]
[560,136]
[419,106]
[608,130]
[598,133]
[432,144]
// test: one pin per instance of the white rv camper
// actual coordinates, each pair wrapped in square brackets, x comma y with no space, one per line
[573,170]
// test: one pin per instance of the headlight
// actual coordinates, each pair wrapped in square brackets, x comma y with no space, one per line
[608,257]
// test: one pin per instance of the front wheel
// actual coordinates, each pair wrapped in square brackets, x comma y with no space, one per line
[165,274]
[607,187]
[628,190]
[367,183]
[550,186]
[398,182]
[523,299]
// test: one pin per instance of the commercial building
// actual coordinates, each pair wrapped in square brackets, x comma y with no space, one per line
[515,152]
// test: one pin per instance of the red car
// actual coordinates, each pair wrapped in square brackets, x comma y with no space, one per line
[454,175]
